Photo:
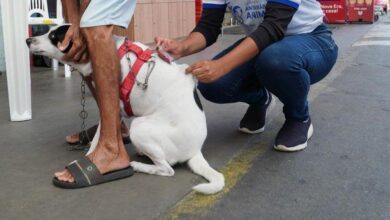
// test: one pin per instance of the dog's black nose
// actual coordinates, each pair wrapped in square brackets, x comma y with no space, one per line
[29,41]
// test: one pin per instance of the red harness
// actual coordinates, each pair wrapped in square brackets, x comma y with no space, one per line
[142,57]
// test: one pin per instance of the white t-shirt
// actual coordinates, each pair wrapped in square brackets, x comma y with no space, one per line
[250,13]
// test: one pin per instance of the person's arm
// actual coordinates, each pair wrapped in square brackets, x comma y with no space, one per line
[78,52]
[206,31]
[71,11]
[193,43]
[204,34]
[272,29]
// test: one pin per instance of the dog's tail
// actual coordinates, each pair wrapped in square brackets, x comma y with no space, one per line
[200,166]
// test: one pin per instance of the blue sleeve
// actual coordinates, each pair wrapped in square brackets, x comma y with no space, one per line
[292,3]
[214,4]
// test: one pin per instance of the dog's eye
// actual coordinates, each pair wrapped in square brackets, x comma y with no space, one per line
[52,36]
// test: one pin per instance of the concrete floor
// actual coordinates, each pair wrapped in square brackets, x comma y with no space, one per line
[344,173]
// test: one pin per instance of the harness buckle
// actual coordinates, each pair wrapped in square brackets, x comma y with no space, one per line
[146,55]
[143,86]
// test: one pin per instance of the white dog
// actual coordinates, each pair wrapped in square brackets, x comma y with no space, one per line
[169,126]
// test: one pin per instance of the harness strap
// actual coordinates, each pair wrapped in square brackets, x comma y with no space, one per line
[127,85]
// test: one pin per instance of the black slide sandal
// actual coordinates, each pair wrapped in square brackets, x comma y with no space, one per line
[86,174]
[86,136]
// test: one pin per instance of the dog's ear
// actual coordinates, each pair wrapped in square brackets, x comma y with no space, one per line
[58,35]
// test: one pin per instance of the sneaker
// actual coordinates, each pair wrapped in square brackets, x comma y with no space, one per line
[253,121]
[294,135]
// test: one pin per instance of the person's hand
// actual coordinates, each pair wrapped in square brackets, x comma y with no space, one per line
[173,47]
[207,71]
[78,53]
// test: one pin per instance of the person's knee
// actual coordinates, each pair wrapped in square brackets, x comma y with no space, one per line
[272,60]
[214,92]
[276,62]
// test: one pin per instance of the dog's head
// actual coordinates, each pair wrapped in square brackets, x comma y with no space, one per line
[47,44]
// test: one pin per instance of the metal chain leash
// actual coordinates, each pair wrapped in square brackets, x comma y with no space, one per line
[83,115]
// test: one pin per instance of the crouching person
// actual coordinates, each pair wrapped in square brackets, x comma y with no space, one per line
[287,49]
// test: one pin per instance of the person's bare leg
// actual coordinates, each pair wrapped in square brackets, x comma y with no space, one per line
[89,81]
[110,153]
[75,137]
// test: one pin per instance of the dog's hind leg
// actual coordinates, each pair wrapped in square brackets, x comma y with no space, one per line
[148,139]
[161,168]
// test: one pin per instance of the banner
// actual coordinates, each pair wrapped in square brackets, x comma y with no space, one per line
[335,10]
[361,11]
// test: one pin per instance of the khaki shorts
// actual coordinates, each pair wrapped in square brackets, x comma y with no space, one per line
[108,12]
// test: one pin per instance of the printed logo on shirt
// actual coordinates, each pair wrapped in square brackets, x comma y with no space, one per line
[248,13]
[238,14]
[255,11]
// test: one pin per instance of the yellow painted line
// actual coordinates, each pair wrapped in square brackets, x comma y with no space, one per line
[236,168]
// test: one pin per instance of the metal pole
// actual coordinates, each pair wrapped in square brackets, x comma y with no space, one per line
[15,28]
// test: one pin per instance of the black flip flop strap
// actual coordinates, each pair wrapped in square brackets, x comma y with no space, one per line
[85,172]
[79,178]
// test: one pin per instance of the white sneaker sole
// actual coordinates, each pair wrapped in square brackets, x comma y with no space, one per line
[247,131]
[258,131]
[298,147]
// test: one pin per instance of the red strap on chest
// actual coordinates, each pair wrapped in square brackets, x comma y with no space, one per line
[127,85]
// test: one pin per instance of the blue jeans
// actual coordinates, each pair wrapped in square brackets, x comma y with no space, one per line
[286,68]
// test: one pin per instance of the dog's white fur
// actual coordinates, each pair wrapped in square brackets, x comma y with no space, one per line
[169,127]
